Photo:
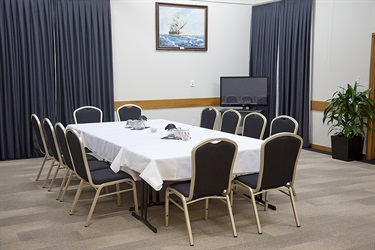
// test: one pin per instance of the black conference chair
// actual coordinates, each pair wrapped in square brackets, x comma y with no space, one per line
[254,125]
[54,148]
[38,129]
[98,179]
[128,112]
[88,114]
[212,165]
[209,117]
[279,158]
[283,123]
[93,162]
[230,121]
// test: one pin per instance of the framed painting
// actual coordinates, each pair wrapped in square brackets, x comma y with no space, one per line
[181,27]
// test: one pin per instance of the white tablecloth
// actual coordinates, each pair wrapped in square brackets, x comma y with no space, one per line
[145,154]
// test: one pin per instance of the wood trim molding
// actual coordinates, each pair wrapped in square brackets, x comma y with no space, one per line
[318,105]
[194,102]
[172,103]
[322,148]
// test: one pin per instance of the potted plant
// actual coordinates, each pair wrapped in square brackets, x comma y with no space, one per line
[348,113]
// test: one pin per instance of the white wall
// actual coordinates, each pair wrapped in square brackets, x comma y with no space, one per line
[143,73]
[341,51]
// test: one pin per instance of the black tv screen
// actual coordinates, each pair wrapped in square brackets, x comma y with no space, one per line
[243,91]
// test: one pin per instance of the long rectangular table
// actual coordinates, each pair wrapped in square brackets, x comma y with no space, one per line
[146,156]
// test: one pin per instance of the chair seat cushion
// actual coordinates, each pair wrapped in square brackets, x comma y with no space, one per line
[250,180]
[95,165]
[90,157]
[182,187]
[107,175]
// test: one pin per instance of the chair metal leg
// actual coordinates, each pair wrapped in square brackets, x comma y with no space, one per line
[187,220]
[167,207]
[118,194]
[49,173]
[93,206]
[231,216]
[41,167]
[63,184]
[294,206]
[266,201]
[206,210]
[135,198]
[79,190]
[255,211]
[67,185]
[54,177]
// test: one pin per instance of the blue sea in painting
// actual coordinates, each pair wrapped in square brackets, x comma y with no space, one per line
[181,41]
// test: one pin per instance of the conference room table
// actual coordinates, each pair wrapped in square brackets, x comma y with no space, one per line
[150,157]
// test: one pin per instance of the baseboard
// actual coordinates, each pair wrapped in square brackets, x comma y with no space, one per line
[321,148]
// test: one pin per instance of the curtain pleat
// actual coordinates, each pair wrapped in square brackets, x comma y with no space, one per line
[26,71]
[263,50]
[84,53]
[281,31]
[56,55]
[294,66]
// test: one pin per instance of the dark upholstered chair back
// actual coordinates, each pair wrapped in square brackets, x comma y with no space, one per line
[230,121]
[88,114]
[279,155]
[283,123]
[37,126]
[51,139]
[61,139]
[213,162]
[254,125]
[77,152]
[208,117]
[128,112]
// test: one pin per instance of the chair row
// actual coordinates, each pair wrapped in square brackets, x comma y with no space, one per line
[65,149]
[254,123]
[89,114]
[212,165]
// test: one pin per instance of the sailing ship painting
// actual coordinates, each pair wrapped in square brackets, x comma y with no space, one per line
[177,25]
[181,27]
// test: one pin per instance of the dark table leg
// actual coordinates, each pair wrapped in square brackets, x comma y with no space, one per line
[144,207]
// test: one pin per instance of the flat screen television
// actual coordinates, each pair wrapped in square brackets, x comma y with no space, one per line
[243,91]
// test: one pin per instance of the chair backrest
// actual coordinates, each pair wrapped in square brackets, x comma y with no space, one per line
[209,117]
[212,165]
[61,139]
[283,123]
[88,114]
[37,126]
[128,112]
[230,121]
[254,125]
[279,157]
[51,139]
[78,154]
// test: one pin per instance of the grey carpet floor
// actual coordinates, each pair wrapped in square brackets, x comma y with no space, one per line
[335,202]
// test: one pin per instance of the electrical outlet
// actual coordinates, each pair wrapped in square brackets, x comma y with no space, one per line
[357,78]
[192,83]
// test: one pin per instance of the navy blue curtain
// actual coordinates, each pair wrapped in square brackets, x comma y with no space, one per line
[294,63]
[26,72]
[284,27]
[56,55]
[84,69]
[263,50]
